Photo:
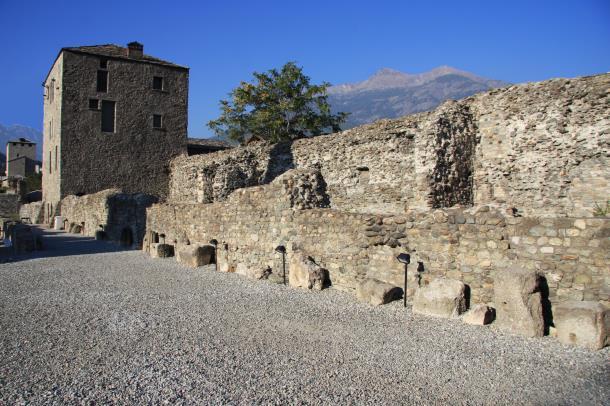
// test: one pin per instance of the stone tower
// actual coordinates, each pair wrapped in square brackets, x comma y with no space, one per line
[113,118]
[20,157]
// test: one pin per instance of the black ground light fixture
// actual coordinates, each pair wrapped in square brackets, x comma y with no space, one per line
[214,243]
[282,250]
[404,259]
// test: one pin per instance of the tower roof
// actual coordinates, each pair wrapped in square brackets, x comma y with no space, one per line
[119,52]
[112,51]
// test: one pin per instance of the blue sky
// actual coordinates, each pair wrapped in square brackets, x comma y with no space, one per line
[223,42]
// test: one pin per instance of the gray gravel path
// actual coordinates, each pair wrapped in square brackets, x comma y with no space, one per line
[121,327]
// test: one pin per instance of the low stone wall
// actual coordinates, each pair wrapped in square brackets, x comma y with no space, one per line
[464,244]
[9,205]
[123,216]
[34,211]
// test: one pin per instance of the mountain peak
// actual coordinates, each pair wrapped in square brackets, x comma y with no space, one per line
[388,78]
[389,93]
[388,72]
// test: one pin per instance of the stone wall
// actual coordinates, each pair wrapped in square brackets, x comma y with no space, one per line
[540,148]
[34,211]
[544,147]
[465,244]
[121,215]
[9,205]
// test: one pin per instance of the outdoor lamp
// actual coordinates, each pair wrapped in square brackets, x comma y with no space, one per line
[282,250]
[404,259]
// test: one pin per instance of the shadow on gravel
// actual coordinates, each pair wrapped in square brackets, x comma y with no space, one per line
[62,244]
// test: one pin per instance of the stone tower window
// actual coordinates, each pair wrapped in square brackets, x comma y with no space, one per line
[102,81]
[103,63]
[94,104]
[55,158]
[157,121]
[108,113]
[52,91]
[157,83]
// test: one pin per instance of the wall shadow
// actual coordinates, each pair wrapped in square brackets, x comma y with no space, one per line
[547,311]
[281,160]
[61,244]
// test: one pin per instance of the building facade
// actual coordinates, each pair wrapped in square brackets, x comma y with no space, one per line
[113,118]
[20,157]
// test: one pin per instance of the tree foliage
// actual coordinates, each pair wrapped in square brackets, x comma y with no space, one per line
[277,106]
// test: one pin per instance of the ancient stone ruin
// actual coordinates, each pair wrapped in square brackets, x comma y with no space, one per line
[494,197]
[109,215]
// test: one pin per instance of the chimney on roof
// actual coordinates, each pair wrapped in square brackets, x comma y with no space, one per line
[135,50]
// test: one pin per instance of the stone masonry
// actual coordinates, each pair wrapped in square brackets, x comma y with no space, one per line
[122,216]
[113,118]
[506,178]
[541,148]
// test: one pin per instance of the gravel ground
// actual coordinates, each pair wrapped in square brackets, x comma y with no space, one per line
[86,323]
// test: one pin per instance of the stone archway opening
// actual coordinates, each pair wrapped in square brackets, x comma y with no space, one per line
[126,237]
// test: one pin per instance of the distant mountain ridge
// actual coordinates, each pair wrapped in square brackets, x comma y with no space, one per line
[390,93]
[17,131]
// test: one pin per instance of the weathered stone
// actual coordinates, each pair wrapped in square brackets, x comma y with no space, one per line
[479,315]
[518,301]
[586,324]
[441,298]
[245,269]
[23,238]
[263,273]
[377,292]
[196,255]
[305,273]
[164,251]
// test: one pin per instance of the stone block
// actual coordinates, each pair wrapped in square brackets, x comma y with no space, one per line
[164,251]
[441,298]
[263,273]
[479,315]
[585,324]
[305,273]
[518,301]
[377,292]
[196,255]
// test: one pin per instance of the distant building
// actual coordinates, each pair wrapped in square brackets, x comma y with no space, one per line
[20,158]
[198,146]
[113,118]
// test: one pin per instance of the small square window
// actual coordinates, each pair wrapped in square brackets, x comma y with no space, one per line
[157,83]
[94,104]
[157,121]
[103,63]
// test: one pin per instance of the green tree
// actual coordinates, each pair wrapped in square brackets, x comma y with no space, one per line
[278,106]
